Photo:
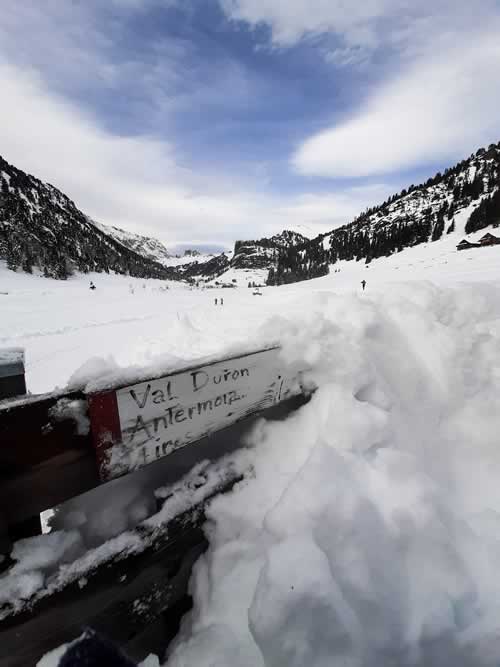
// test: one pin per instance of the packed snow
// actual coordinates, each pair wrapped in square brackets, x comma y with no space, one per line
[369,531]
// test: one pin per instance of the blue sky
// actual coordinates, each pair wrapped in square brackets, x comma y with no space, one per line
[205,121]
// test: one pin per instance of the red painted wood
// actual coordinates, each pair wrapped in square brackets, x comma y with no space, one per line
[105,426]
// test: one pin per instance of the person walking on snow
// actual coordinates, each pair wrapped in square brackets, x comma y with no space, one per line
[363,284]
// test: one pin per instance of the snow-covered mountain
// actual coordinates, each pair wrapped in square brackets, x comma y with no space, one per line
[42,229]
[249,262]
[420,214]
[263,254]
[205,269]
[146,246]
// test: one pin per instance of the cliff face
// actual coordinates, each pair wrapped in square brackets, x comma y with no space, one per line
[264,253]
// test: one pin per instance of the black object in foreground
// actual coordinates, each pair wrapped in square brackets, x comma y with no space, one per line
[93,650]
[12,382]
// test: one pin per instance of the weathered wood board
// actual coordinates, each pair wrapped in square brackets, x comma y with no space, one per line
[141,423]
[12,382]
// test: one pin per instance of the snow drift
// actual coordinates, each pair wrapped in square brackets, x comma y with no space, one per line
[370,533]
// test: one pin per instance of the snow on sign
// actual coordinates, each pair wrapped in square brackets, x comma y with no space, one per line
[136,425]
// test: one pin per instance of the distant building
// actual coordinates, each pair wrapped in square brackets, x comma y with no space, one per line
[486,240]
[489,239]
[465,245]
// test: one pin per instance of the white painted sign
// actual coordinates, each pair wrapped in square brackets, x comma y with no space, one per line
[159,416]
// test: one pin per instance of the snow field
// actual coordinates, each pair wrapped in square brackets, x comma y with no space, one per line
[370,532]
[133,322]
[65,325]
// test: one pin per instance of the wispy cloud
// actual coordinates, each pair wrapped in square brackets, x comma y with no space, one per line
[361,26]
[137,182]
[440,108]
[437,92]
[144,132]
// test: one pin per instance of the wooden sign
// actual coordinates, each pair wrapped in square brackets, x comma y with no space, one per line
[138,424]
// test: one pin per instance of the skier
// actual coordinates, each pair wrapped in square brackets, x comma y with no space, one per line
[363,284]
[215,301]
[92,286]
[221,301]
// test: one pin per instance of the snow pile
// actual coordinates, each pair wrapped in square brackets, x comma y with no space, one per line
[370,534]
[35,558]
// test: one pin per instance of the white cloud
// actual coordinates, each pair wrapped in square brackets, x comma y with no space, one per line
[136,182]
[440,108]
[313,214]
[360,28]
[291,20]
[440,96]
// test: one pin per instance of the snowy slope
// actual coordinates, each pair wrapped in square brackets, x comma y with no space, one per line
[152,248]
[423,213]
[143,245]
[201,258]
[42,230]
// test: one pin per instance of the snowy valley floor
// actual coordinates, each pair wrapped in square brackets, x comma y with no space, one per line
[63,325]
[369,534]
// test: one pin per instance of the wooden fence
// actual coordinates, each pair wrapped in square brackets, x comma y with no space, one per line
[55,447]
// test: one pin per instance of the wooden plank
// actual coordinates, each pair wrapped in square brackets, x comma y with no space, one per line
[74,472]
[30,435]
[45,461]
[120,607]
[120,596]
[12,382]
[141,423]
[47,485]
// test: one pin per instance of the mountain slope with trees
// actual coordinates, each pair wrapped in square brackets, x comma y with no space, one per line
[41,228]
[146,246]
[420,214]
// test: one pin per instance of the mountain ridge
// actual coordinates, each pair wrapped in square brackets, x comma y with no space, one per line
[40,227]
[419,214]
